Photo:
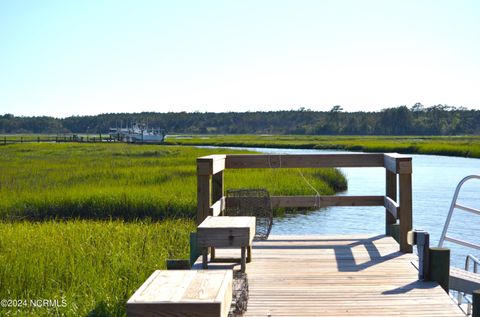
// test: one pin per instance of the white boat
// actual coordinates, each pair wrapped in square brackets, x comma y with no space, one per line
[138,133]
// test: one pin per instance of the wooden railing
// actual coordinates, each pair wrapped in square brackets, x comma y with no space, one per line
[398,170]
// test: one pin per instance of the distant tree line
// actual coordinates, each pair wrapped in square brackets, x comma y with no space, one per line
[419,120]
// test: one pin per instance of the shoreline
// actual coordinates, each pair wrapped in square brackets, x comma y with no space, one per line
[458,146]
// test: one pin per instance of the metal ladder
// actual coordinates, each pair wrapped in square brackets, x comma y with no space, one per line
[453,206]
[461,295]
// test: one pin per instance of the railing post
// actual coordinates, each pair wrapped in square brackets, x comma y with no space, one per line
[204,190]
[204,202]
[390,191]
[405,207]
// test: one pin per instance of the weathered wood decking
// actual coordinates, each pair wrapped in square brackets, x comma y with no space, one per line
[337,276]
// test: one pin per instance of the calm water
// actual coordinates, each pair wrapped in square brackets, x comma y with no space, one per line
[434,182]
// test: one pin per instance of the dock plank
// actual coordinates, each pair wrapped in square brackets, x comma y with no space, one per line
[359,275]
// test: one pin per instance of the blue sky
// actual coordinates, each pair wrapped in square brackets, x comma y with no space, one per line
[64,58]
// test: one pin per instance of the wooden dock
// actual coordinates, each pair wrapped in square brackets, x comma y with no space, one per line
[332,275]
[357,275]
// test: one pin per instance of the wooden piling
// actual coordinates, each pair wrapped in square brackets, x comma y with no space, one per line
[424,257]
[439,269]
[476,303]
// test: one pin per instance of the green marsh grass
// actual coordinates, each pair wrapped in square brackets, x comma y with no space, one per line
[102,181]
[88,223]
[95,266]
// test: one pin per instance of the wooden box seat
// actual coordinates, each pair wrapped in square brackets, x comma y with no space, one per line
[183,293]
[226,232]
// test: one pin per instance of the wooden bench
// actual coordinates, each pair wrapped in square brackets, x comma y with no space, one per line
[218,232]
[183,293]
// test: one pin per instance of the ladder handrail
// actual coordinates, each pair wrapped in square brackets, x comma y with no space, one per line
[476,263]
[454,205]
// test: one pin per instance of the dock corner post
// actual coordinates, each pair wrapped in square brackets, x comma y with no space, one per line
[476,303]
[405,208]
[390,191]
[204,193]
[439,270]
